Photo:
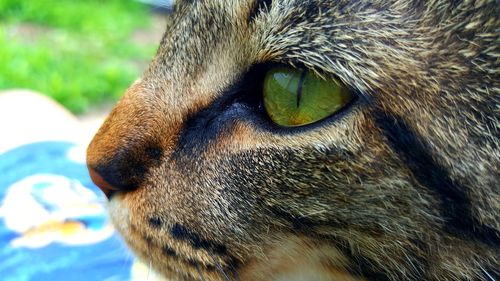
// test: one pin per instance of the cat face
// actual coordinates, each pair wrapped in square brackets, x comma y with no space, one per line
[397,184]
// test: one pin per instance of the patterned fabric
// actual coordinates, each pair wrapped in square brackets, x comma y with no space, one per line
[53,222]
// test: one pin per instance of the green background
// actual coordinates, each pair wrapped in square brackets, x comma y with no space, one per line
[81,53]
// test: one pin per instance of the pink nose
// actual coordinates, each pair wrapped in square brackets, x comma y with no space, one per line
[107,188]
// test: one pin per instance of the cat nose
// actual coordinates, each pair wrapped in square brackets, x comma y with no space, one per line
[123,172]
[121,169]
[108,189]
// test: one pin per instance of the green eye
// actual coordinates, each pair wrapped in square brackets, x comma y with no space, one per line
[294,97]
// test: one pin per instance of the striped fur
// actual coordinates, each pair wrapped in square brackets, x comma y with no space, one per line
[402,185]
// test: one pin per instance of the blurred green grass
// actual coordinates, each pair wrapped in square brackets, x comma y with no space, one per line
[78,52]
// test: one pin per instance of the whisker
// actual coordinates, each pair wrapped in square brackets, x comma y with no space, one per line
[149,270]
[219,267]
[199,272]
[487,274]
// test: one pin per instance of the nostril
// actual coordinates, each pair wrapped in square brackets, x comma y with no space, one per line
[106,188]
[124,168]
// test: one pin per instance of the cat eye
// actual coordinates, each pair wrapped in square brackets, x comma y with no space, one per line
[295,97]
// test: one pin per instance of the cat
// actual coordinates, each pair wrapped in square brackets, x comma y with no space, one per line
[312,140]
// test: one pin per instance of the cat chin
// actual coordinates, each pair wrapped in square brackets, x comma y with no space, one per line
[296,258]
[287,257]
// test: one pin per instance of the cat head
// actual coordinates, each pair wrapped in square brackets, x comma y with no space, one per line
[398,184]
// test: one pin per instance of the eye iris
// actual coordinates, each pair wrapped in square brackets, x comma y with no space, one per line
[295,97]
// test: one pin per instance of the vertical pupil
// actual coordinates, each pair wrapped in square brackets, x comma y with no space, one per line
[300,86]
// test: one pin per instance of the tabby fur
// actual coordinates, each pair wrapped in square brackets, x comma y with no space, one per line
[403,184]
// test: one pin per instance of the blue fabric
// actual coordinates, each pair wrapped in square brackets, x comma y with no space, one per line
[53,222]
